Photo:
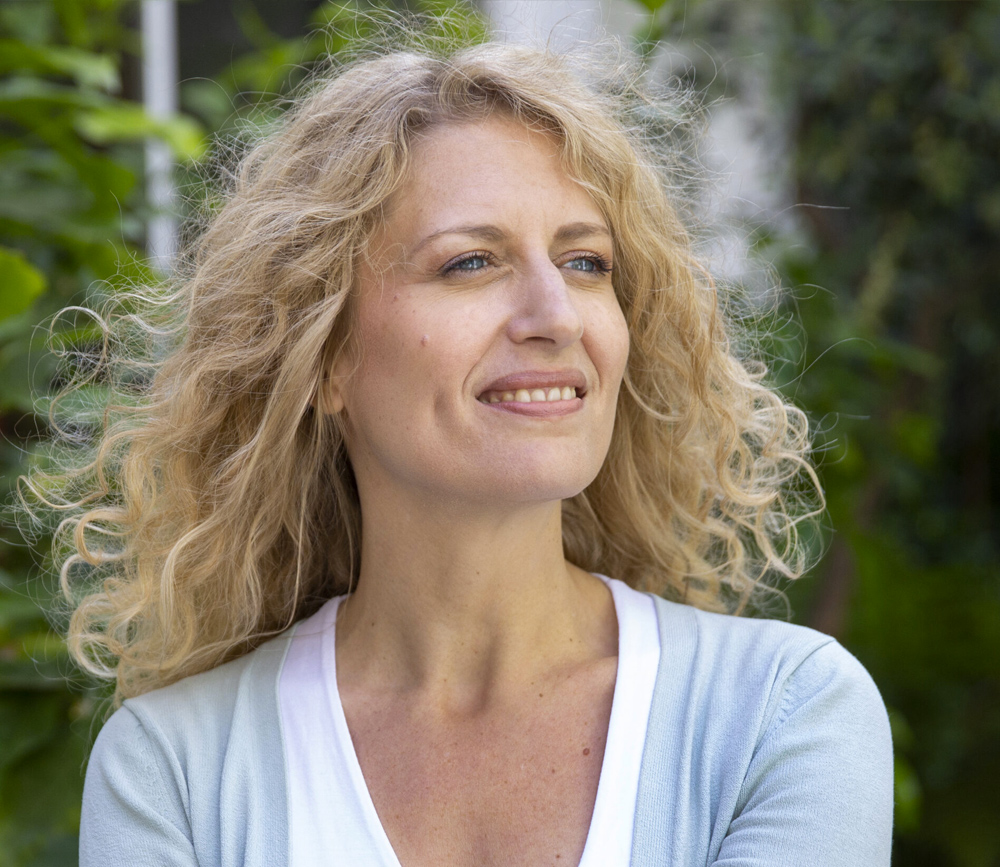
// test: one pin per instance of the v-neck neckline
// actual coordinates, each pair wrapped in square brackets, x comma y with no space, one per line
[603,800]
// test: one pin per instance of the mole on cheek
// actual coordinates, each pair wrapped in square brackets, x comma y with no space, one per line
[424,340]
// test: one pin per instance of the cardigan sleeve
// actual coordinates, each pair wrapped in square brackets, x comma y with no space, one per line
[819,787]
[133,810]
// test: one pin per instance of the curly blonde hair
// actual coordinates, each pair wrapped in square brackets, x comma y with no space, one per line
[217,506]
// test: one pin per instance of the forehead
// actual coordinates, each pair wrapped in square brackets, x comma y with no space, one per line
[490,135]
[477,168]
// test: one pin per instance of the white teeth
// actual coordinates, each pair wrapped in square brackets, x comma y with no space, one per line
[535,395]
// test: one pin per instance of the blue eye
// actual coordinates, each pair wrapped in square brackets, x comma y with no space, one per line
[590,265]
[473,263]
[469,263]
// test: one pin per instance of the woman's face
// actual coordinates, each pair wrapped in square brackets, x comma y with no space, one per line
[490,345]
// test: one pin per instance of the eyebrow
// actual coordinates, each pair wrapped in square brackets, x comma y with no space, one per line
[569,232]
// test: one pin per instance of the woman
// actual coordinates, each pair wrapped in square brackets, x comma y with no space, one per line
[447,389]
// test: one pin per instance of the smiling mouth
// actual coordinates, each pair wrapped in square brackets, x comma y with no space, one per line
[530,395]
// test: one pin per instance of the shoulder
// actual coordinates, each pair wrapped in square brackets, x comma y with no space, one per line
[727,634]
[201,714]
[171,764]
[758,660]
[773,730]
[734,684]
[204,708]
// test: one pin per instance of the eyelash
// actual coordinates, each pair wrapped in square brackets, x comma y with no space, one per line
[602,265]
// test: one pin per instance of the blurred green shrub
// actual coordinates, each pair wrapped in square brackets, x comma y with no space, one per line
[888,334]
[72,219]
[896,135]
[70,215]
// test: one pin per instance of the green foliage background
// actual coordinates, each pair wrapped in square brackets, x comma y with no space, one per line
[888,335]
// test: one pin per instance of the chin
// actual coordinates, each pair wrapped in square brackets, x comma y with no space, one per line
[528,487]
[540,475]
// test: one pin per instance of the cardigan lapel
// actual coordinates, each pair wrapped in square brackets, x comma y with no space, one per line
[662,806]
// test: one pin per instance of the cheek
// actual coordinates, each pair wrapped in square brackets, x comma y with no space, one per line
[408,349]
[610,342]
[391,340]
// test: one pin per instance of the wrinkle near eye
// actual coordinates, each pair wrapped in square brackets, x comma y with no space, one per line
[459,263]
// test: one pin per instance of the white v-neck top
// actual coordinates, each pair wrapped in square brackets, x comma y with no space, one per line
[332,820]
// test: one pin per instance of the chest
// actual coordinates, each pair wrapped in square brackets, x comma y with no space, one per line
[513,786]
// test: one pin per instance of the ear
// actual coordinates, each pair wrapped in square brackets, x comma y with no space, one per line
[329,397]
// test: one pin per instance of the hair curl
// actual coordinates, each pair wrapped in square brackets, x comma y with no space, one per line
[216,506]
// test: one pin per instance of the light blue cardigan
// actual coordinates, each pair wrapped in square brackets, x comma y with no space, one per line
[768,746]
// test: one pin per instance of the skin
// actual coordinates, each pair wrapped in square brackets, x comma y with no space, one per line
[475,664]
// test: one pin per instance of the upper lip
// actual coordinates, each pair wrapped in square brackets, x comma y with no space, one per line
[531,379]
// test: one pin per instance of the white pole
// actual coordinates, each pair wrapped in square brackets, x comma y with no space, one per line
[159,96]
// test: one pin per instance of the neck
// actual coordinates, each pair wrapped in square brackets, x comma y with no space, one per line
[465,606]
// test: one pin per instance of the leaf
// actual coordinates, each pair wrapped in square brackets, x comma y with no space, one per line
[98,71]
[18,92]
[20,283]
[88,70]
[130,122]
[32,22]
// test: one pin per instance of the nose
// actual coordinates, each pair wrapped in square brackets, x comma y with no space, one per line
[545,308]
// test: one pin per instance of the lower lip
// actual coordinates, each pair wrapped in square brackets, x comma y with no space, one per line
[538,409]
